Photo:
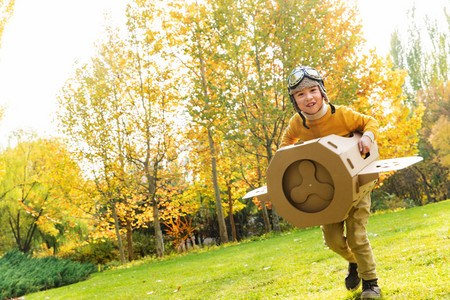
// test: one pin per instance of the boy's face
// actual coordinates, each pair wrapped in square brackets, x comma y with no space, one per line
[309,100]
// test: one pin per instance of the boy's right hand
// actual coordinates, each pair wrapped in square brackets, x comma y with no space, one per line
[364,144]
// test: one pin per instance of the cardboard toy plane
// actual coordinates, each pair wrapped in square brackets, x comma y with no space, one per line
[317,182]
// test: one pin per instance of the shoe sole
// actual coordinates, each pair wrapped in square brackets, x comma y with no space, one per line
[356,287]
[370,297]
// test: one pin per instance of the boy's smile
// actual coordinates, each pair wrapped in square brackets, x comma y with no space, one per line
[309,100]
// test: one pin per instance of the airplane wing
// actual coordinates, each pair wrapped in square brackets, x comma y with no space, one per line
[392,164]
[257,192]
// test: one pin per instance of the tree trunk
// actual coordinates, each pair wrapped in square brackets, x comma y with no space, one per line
[130,241]
[263,204]
[159,241]
[222,227]
[13,227]
[30,233]
[157,227]
[426,185]
[24,245]
[275,220]
[219,209]
[265,217]
[119,239]
[275,217]
[230,213]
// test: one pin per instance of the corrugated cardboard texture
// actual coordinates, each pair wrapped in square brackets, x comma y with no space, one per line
[319,181]
[316,182]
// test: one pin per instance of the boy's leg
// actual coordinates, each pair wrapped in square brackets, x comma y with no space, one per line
[334,237]
[358,241]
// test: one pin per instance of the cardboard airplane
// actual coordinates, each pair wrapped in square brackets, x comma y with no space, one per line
[317,182]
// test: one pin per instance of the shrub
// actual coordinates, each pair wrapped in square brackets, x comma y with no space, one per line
[107,253]
[21,274]
[101,252]
[143,244]
[385,201]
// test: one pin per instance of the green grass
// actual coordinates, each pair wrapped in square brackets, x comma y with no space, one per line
[411,247]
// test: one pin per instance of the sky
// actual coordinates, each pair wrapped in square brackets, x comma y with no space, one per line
[40,46]
[44,39]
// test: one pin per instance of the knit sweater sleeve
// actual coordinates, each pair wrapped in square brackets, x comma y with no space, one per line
[360,122]
[290,134]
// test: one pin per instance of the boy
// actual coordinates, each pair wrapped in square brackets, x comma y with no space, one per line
[316,117]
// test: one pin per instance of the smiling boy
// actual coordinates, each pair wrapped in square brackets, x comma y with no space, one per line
[316,117]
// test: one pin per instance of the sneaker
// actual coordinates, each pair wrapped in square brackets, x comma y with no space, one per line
[352,281]
[370,289]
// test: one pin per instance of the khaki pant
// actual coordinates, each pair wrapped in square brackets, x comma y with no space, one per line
[354,247]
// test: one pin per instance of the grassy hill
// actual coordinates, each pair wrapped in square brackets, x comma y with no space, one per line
[411,247]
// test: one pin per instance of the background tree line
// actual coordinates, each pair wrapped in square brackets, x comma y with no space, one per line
[427,84]
[177,116]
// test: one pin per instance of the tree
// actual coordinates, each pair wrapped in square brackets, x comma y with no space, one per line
[37,189]
[152,106]
[91,114]
[229,161]
[231,178]
[426,84]
[199,43]
[121,108]
[433,148]
[6,11]
[440,139]
[16,185]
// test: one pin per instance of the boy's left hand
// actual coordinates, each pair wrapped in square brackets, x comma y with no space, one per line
[364,144]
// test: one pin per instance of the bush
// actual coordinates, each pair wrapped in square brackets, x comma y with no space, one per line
[143,245]
[106,252]
[21,274]
[384,201]
[101,252]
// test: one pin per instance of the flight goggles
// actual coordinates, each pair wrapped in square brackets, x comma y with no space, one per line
[299,73]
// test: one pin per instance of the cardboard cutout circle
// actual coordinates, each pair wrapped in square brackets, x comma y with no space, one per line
[308,186]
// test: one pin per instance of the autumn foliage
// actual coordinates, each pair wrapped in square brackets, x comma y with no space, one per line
[178,115]
[6,11]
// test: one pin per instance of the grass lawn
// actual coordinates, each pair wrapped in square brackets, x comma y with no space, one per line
[411,247]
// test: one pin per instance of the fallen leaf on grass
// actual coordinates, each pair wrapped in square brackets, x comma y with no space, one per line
[178,288]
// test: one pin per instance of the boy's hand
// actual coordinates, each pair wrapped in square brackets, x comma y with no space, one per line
[364,144]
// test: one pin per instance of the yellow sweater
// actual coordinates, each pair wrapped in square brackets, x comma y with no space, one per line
[343,122]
